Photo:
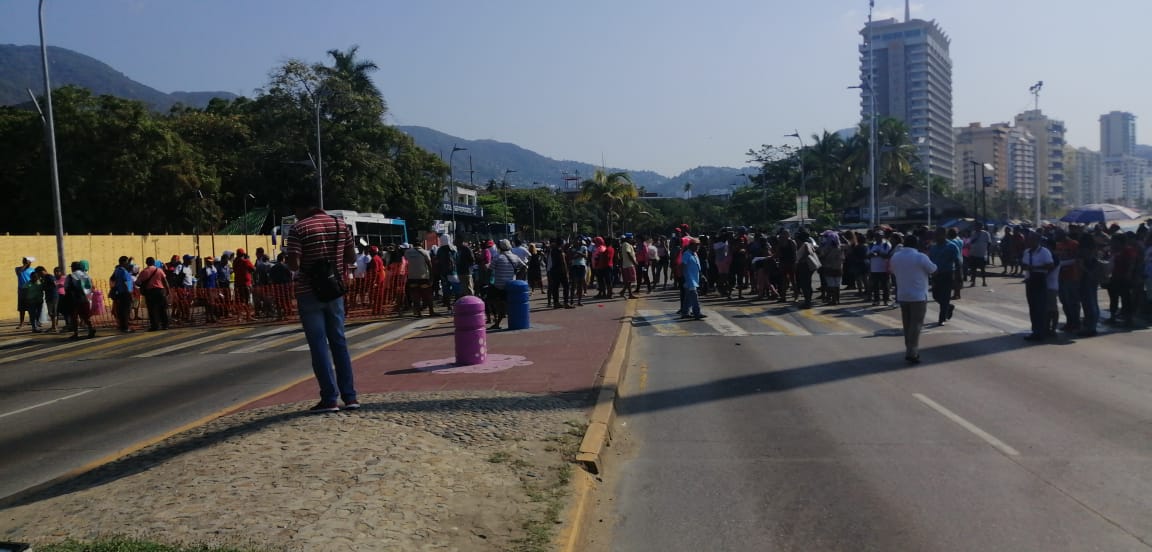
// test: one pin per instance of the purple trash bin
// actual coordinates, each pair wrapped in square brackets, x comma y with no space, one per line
[471,334]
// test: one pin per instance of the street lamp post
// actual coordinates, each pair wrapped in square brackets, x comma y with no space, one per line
[319,156]
[452,181]
[975,190]
[247,230]
[504,187]
[802,206]
[57,211]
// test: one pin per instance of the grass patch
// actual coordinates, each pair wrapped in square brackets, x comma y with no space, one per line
[549,490]
[500,457]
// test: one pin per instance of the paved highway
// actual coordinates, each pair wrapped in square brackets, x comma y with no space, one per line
[766,428]
[71,404]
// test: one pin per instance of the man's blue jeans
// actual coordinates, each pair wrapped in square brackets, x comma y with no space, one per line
[1070,299]
[691,302]
[324,329]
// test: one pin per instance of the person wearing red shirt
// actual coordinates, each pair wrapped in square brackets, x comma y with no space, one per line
[242,271]
[375,280]
[1125,263]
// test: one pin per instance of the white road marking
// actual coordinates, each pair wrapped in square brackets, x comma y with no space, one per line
[406,330]
[46,403]
[13,342]
[723,325]
[277,331]
[38,352]
[184,345]
[987,437]
[664,323]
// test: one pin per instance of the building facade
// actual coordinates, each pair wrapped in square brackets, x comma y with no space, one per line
[1117,134]
[907,66]
[1049,134]
[1010,150]
[1083,170]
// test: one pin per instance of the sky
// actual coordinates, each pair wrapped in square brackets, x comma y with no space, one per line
[663,85]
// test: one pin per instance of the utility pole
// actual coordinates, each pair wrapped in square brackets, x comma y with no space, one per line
[51,123]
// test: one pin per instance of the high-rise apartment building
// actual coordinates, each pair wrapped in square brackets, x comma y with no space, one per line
[906,66]
[1117,134]
[1010,150]
[1083,170]
[1050,143]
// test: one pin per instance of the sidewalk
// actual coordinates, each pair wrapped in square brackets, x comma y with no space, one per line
[439,458]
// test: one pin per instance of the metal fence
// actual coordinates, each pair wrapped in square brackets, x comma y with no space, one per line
[275,303]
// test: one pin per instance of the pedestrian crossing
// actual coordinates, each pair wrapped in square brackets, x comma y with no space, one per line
[970,318]
[45,348]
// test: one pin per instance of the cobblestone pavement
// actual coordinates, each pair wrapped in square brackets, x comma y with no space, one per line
[409,471]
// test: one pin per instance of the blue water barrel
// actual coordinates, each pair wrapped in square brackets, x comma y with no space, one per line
[471,335]
[516,292]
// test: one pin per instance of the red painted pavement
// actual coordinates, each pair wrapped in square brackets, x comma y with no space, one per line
[567,349]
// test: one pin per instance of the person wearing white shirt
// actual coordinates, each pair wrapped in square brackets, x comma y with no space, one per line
[878,254]
[1037,262]
[912,269]
[978,254]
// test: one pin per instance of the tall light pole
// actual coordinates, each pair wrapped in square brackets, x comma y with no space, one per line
[504,187]
[452,181]
[928,179]
[57,211]
[319,156]
[802,205]
[869,86]
[247,230]
[975,190]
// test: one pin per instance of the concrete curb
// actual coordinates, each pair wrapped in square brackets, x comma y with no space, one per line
[599,431]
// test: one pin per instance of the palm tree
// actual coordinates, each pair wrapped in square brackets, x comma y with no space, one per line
[687,190]
[345,67]
[897,153]
[826,157]
[608,190]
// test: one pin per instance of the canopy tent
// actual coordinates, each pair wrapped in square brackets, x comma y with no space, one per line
[1099,212]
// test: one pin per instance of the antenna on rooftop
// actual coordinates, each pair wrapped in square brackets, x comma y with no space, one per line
[1035,90]
[907,10]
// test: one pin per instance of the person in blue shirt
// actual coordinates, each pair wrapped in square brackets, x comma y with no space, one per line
[945,254]
[122,285]
[23,277]
[690,274]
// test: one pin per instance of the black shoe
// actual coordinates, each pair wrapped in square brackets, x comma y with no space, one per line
[324,406]
[912,359]
[1033,337]
[699,316]
[951,311]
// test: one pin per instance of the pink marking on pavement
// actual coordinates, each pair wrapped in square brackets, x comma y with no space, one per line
[494,363]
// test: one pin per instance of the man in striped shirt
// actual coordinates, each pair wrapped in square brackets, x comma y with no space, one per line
[317,236]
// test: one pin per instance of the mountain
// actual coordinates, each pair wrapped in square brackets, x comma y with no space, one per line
[20,70]
[491,158]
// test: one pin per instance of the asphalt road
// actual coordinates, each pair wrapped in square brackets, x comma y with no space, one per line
[832,442]
[68,405]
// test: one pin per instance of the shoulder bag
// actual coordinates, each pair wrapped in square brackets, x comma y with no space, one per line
[325,276]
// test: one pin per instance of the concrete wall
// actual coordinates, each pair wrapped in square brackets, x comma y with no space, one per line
[103,251]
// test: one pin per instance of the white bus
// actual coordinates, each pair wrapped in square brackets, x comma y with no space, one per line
[367,228]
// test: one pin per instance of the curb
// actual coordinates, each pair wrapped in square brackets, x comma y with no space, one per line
[599,431]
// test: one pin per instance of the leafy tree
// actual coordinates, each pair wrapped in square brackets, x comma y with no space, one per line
[610,191]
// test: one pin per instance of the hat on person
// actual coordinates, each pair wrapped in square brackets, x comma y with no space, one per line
[209,259]
[678,230]
[504,245]
[405,245]
[373,249]
[240,251]
[489,243]
[628,235]
[188,258]
[29,260]
[175,258]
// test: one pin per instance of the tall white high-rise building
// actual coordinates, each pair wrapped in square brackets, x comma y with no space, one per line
[1050,143]
[1083,170]
[908,64]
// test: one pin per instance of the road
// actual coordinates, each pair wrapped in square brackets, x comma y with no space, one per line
[70,405]
[768,428]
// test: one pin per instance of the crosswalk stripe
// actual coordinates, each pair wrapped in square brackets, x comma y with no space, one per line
[363,329]
[187,344]
[663,323]
[65,346]
[782,325]
[843,328]
[14,342]
[393,335]
[92,349]
[266,344]
[723,325]
[277,331]
[1000,320]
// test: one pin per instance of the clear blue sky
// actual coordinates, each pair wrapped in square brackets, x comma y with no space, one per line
[664,85]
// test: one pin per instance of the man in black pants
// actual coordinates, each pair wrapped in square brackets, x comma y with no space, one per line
[121,289]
